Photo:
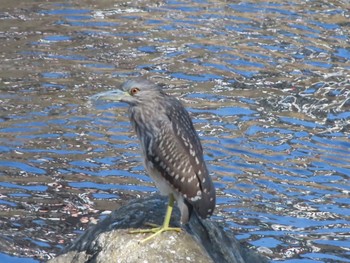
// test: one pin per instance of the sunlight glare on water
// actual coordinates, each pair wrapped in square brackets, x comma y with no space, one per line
[266,83]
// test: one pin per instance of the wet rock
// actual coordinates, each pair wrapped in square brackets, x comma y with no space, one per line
[200,241]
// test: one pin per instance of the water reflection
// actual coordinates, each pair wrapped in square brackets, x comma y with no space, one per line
[267,85]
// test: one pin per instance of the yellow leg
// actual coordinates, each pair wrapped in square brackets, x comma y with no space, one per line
[159,229]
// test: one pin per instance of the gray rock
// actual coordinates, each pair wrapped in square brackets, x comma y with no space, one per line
[200,241]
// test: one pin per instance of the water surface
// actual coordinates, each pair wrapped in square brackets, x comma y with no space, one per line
[266,83]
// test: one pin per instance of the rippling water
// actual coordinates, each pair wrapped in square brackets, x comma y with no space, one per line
[267,84]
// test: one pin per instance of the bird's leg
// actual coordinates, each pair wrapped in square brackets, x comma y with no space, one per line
[159,229]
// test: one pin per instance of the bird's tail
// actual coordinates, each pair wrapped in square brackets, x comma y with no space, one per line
[205,206]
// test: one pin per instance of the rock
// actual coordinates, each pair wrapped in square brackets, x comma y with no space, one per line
[200,241]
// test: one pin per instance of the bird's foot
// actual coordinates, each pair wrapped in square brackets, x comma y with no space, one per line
[156,230]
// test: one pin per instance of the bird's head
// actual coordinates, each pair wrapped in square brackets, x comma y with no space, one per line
[133,92]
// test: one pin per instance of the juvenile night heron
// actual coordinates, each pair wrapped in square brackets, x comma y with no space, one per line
[172,151]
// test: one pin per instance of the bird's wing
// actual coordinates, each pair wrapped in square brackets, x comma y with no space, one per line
[178,155]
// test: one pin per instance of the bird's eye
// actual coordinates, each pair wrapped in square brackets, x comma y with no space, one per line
[133,91]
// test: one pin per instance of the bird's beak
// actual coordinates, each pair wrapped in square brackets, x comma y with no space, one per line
[112,95]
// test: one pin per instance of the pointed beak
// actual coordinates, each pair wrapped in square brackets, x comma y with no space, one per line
[112,95]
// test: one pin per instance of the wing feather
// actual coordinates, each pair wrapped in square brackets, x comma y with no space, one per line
[176,152]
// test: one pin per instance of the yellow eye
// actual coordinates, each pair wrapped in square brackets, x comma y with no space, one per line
[133,91]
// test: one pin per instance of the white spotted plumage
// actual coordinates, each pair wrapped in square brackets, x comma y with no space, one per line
[172,149]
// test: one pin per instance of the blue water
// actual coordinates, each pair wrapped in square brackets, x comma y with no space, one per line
[267,86]
[11,259]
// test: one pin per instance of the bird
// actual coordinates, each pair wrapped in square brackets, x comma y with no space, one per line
[171,148]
